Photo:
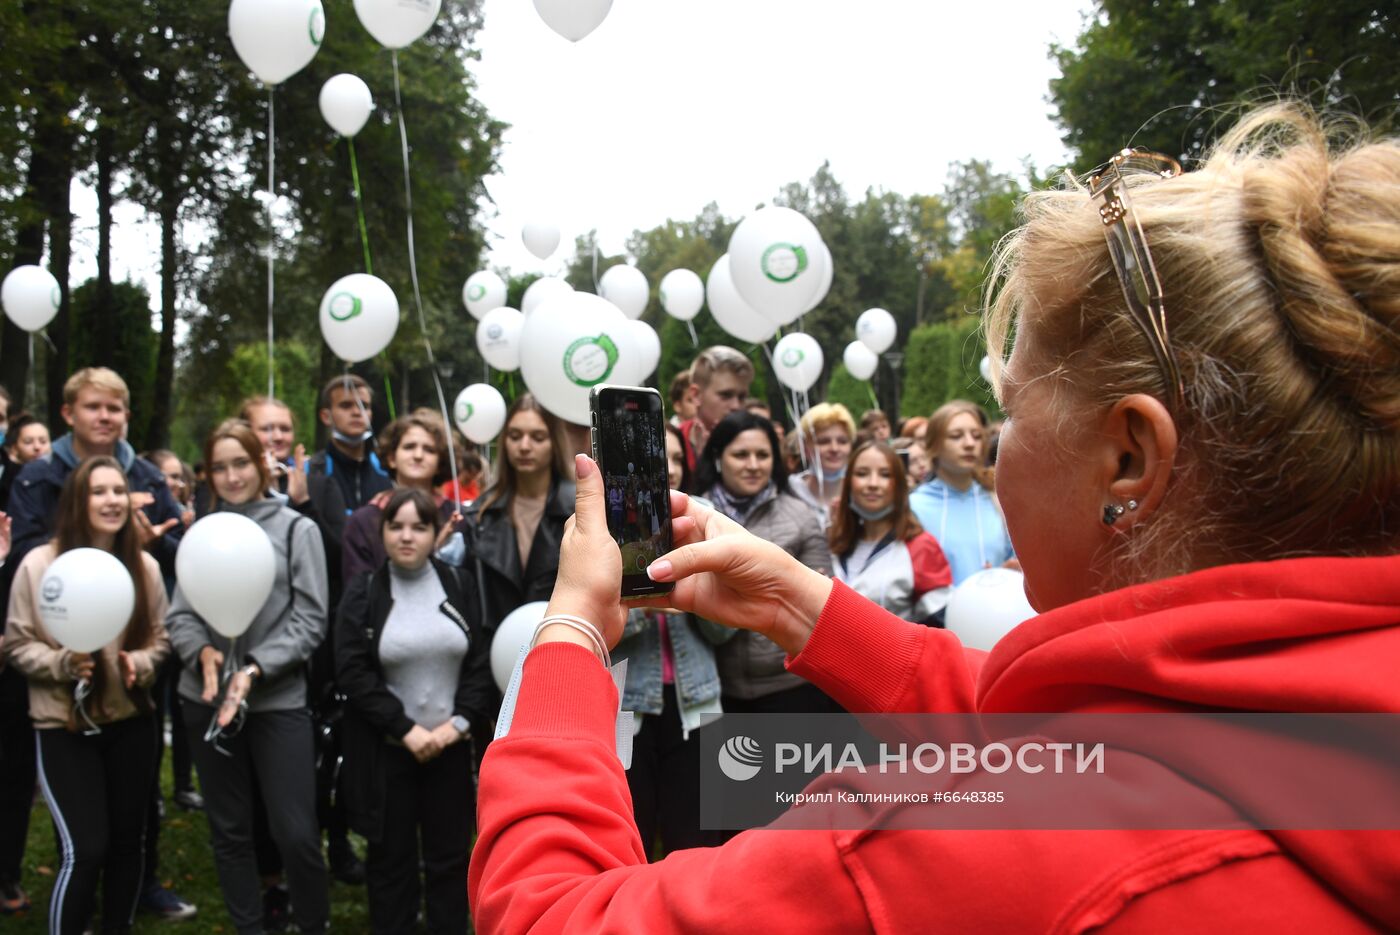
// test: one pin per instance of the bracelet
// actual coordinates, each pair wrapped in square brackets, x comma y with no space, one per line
[600,648]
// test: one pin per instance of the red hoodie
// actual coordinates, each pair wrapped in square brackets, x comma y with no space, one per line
[558,850]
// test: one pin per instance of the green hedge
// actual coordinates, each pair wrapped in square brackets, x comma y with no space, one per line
[940,363]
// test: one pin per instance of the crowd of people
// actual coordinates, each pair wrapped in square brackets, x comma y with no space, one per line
[361,696]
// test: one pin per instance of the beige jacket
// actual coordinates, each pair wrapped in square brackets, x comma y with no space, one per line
[31,650]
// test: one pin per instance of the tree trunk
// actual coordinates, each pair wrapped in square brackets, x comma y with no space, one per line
[168,181]
[60,255]
[103,323]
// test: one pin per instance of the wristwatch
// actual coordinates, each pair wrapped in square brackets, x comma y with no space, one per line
[252,671]
[461,725]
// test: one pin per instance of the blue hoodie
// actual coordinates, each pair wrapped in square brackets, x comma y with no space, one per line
[966,523]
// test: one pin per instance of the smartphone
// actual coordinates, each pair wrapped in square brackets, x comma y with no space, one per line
[629,446]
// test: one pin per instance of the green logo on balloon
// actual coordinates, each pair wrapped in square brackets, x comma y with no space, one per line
[476,292]
[343,306]
[588,361]
[316,25]
[464,412]
[783,262]
[792,357]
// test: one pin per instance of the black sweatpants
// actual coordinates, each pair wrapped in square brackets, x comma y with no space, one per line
[665,781]
[274,750]
[17,774]
[98,789]
[436,803]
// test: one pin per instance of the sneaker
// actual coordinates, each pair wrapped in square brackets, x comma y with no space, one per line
[347,867]
[156,900]
[13,899]
[277,909]
[189,800]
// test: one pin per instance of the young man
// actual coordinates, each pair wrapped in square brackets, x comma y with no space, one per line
[349,458]
[97,408]
[719,384]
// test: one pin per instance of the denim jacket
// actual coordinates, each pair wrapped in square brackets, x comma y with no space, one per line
[692,649]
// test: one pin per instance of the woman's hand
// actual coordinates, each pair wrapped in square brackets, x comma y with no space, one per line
[422,743]
[237,691]
[447,530]
[446,735]
[80,666]
[297,491]
[589,584]
[726,574]
[127,668]
[210,660]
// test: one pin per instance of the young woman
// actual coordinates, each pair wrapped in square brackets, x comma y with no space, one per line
[414,449]
[413,662]
[513,530]
[827,432]
[1177,568]
[673,689]
[957,505]
[879,548]
[97,783]
[26,439]
[740,474]
[273,746]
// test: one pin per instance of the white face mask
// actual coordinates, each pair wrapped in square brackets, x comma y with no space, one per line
[871,515]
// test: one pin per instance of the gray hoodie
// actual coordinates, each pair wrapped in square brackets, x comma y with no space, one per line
[285,632]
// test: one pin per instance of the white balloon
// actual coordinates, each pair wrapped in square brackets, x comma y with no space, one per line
[987,606]
[546,287]
[397,23]
[514,633]
[774,259]
[498,338]
[483,291]
[359,315]
[682,294]
[346,103]
[646,350]
[225,568]
[876,329]
[798,360]
[480,412]
[984,367]
[626,287]
[573,19]
[861,362]
[824,283]
[540,238]
[276,38]
[732,313]
[569,345]
[31,296]
[85,599]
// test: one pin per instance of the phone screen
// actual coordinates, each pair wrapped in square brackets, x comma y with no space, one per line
[629,444]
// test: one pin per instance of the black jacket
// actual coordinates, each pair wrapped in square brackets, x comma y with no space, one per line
[492,553]
[373,714]
[358,481]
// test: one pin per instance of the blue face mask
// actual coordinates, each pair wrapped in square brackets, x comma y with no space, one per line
[871,515]
[2,435]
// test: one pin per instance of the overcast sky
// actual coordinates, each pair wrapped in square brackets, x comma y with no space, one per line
[669,105]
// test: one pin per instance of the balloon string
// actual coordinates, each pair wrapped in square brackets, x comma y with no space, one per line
[694,339]
[388,387]
[81,691]
[874,403]
[413,266]
[271,236]
[33,392]
[360,209]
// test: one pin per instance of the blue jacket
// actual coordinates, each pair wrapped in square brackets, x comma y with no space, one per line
[692,650]
[34,502]
[966,523]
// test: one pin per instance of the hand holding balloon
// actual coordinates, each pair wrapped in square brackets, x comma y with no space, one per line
[127,668]
[234,695]
[80,666]
[210,661]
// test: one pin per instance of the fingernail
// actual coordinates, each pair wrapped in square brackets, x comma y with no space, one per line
[583,466]
[660,570]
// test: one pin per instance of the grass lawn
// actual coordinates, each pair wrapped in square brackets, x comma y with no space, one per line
[187,866]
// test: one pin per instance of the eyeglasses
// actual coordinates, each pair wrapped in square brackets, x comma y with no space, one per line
[1127,245]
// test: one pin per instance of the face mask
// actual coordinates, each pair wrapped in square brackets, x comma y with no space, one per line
[346,439]
[2,436]
[832,477]
[871,515]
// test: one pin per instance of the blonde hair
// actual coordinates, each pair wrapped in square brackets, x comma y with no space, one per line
[1280,263]
[720,357]
[823,416]
[102,378]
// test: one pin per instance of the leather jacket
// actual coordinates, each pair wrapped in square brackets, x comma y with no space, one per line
[502,585]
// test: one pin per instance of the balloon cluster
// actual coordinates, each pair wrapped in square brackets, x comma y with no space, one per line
[875,333]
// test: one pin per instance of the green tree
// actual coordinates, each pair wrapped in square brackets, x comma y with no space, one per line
[126,310]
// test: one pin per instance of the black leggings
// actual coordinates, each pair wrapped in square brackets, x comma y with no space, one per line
[98,789]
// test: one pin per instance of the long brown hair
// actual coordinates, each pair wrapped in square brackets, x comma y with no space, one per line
[429,421]
[73,530]
[503,477]
[846,525]
[243,433]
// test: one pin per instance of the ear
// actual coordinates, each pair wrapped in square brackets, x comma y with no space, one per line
[67,413]
[692,395]
[1139,452]
[324,415]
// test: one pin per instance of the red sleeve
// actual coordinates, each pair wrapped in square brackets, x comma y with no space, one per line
[558,850]
[931,569]
[692,457]
[872,662]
